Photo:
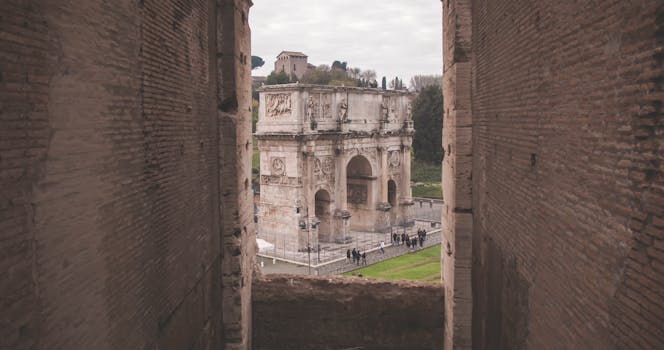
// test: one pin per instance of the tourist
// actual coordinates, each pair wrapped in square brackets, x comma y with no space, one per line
[421,241]
[364,258]
[354,255]
[382,247]
[407,243]
[348,255]
[403,238]
[395,239]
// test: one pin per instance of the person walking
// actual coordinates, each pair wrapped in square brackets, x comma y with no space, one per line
[364,258]
[382,247]
[348,255]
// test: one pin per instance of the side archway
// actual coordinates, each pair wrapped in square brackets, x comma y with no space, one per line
[322,212]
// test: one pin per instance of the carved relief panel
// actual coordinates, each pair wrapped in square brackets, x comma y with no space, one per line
[278,105]
[278,166]
[324,169]
[357,193]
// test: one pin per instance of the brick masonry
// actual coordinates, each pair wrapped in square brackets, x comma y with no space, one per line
[114,229]
[298,312]
[567,191]
[124,166]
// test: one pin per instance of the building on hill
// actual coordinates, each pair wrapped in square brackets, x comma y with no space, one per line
[291,62]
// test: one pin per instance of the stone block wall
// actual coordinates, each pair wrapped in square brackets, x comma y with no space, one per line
[298,312]
[113,225]
[567,195]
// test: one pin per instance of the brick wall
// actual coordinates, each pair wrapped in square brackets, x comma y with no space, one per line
[233,100]
[298,312]
[568,179]
[111,214]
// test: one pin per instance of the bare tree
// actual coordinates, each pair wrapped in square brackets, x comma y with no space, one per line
[419,82]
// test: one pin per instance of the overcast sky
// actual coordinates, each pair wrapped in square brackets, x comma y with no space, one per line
[393,37]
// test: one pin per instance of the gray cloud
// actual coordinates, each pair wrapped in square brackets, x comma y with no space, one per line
[394,37]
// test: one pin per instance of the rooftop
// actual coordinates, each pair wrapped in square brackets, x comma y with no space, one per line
[292,53]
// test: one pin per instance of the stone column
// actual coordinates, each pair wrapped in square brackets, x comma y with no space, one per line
[383,177]
[342,178]
[340,230]
[405,170]
[309,184]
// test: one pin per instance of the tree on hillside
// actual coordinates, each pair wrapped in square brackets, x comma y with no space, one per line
[428,120]
[419,82]
[276,78]
[340,65]
[256,62]
[396,84]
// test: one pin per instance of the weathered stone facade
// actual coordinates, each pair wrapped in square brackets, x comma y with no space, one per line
[332,159]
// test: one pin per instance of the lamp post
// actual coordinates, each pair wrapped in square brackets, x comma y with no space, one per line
[314,224]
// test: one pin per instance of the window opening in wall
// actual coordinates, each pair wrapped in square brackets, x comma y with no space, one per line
[326,187]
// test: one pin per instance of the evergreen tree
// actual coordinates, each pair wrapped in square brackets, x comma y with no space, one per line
[256,62]
[384,83]
[428,120]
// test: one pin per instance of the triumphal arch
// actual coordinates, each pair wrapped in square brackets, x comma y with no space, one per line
[333,160]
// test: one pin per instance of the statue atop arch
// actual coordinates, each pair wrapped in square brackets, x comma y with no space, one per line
[322,177]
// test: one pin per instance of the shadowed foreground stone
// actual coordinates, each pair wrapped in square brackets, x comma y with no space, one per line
[298,312]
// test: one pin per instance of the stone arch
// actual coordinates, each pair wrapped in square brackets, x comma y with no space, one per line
[360,183]
[322,211]
[359,165]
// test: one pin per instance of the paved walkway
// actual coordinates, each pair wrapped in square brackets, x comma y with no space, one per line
[340,265]
[362,241]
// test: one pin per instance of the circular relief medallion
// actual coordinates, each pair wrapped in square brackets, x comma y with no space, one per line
[278,166]
[394,159]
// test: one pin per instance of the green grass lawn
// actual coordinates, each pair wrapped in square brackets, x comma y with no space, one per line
[427,179]
[428,190]
[421,266]
[256,160]
[425,172]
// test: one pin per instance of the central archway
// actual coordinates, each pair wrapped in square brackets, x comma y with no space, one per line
[360,192]
[322,212]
